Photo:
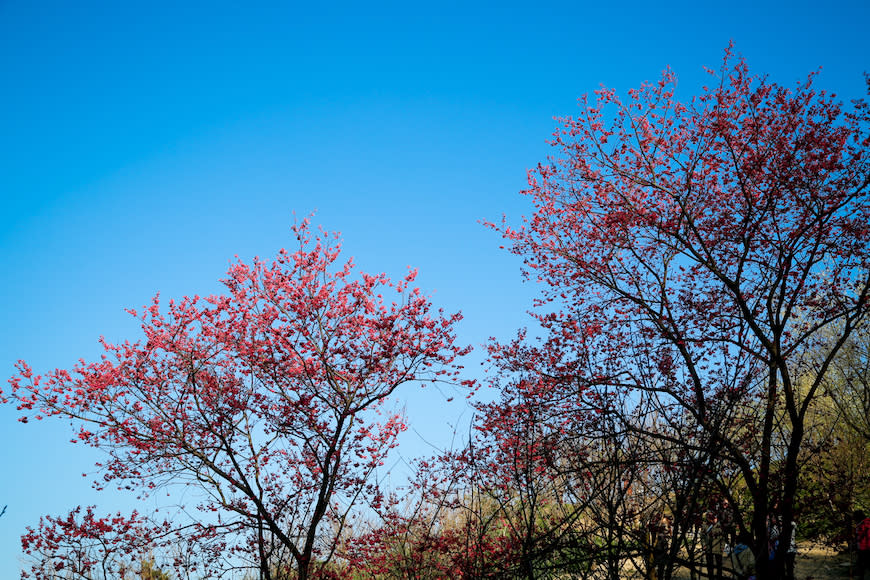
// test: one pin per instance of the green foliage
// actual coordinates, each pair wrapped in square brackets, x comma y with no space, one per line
[835,459]
[150,571]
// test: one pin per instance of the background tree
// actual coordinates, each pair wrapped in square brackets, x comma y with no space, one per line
[447,527]
[833,479]
[849,382]
[267,399]
[836,456]
[513,462]
[695,252]
[618,483]
[82,546]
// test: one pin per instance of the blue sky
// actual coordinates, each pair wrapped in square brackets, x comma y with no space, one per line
[143,145]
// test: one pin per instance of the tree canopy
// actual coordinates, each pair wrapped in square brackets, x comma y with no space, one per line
[704,275]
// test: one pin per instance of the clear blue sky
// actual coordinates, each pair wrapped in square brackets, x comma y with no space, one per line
[143,144]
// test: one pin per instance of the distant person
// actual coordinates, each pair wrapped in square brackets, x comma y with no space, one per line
[791,554]
[661,548]
[742,558]
[728,527]
[862,543]
[656,546]
[772,536]
[650,538]
[713,546]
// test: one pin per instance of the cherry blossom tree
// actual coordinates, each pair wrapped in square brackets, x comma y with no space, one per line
[269,399]
[579,483]
[83,546]
[448,526]
[697,256]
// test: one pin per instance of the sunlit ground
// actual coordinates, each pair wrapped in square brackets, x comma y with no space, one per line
[813,563]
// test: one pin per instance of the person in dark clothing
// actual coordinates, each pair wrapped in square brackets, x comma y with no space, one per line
[712,537]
